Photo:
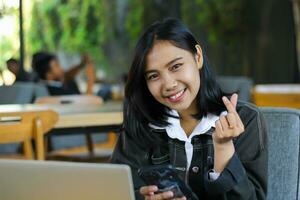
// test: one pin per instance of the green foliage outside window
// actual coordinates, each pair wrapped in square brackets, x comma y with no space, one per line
[74,26]
[87,26]
[222,19]
[134,20]
[94,26]
[224,25]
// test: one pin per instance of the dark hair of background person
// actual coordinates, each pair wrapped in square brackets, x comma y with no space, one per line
[41,63]
[140,107]
[12,61]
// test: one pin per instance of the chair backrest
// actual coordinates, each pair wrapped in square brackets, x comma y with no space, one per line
[40,90]
[283,127]
[70,99]
[23,126]
[22,93]
[239,84]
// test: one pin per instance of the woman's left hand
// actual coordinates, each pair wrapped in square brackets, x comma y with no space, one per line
[229,126]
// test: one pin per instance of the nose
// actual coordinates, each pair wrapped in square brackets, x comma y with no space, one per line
[170,82]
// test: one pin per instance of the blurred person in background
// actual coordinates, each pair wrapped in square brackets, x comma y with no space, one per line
[13,65]
[59,82]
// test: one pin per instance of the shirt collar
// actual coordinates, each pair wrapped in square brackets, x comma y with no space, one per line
[175,131]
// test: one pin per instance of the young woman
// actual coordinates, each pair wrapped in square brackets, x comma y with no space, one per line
[175,113]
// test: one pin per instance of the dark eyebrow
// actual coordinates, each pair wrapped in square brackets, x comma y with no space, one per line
[174,60]
[150,71]
[169,63]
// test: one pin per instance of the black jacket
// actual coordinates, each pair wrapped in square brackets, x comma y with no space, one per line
[244,178]
[63,88]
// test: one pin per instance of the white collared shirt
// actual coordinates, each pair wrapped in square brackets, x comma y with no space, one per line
[175,131]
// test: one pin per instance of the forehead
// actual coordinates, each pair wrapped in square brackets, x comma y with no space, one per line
[163,52]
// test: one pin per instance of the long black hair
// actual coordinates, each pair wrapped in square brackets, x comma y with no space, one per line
[140,107]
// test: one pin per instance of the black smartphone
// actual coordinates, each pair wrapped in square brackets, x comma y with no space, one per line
[166,179]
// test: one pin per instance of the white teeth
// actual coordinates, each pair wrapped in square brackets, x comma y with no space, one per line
[177,95]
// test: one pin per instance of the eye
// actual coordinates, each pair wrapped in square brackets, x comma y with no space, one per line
[152,77]
[176,66]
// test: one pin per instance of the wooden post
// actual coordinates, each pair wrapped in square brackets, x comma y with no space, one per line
[296,11]
[21,35]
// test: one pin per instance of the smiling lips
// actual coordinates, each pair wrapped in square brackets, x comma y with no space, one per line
[177,96]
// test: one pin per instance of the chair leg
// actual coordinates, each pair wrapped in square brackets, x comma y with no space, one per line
[110,142]
[90,144]
[27,148]
[39,136]
[112,139]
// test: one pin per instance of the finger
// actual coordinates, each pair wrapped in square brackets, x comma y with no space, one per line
[218,134]
[146,190]
[232,121]
[224,123]
[163,195]
[182,198]
[152,197]
[233,100]
[240,123]
[218,126]
[228,105]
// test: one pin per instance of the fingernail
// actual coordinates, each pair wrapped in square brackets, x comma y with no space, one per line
[224,99]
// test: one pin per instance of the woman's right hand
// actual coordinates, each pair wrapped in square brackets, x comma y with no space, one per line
[149,193]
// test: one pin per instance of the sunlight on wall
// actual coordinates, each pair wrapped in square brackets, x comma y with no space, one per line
[1,81]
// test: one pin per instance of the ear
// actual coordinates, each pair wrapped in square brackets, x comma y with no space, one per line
[199,57]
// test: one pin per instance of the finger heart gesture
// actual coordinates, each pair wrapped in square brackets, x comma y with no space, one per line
[229,126]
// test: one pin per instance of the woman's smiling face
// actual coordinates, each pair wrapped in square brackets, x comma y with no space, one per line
[172,76]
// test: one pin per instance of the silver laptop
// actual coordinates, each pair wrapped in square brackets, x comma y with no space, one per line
[47,180]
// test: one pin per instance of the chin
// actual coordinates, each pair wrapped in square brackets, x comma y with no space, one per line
[179,107]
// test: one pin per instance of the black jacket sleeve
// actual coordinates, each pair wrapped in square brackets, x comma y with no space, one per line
[245,176]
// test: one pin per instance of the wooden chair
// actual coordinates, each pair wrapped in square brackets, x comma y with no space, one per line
[91,151]
[25,126]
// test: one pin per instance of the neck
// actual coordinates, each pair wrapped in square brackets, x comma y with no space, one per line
[185,116]
[187,121]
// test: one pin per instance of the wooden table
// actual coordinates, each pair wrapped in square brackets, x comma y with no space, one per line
[78,118]
[277,95]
